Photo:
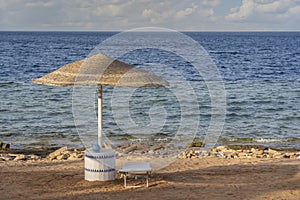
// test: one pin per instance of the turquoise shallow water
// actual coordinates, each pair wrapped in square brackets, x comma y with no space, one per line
[261,73]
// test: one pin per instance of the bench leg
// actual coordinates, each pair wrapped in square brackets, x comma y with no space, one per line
[125,180]
[147,180]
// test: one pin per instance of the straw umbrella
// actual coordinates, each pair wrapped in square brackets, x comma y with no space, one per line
[100,70]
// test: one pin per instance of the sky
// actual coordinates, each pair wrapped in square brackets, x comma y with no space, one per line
[121,15]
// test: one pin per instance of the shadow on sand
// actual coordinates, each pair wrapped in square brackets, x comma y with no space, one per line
[242,181]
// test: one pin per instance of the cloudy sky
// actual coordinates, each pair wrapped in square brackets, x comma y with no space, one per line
[187,15]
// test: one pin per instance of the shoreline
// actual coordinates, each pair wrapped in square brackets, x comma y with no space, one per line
[281,146]
[160,150]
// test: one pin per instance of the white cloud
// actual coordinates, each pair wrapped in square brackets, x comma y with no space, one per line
[179,14]
[265,11]
[275,6]
[186,12]
[267,14]
[122,15]
[244,11]
[152,15]
[148,13]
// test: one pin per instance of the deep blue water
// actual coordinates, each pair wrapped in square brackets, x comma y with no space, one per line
[261,74]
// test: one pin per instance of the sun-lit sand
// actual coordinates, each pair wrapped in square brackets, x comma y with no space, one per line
[198,178]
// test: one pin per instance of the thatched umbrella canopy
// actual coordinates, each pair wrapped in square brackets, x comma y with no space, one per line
[100,70]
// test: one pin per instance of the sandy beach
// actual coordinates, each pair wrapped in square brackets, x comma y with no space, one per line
[198,178]
[258,70]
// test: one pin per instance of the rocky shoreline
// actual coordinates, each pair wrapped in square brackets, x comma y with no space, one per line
[227,152]
[62,153]
[241,152]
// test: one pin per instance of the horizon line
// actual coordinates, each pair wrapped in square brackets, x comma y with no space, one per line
[41,30]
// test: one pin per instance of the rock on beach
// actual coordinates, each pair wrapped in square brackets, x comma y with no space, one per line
[65,154]
[227,152]
[62,153]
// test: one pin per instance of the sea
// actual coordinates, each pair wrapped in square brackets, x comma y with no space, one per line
[260,73]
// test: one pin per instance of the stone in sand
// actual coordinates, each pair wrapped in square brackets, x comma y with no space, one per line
[156,147]
[20,157]
[57,153]
[131,148]
[6,157]
[63,156]
[34,157]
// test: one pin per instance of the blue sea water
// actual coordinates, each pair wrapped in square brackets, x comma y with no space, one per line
[260,71]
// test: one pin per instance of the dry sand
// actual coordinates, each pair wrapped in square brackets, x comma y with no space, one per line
[201,178]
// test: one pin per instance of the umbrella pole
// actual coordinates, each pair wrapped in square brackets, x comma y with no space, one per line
[100,116]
